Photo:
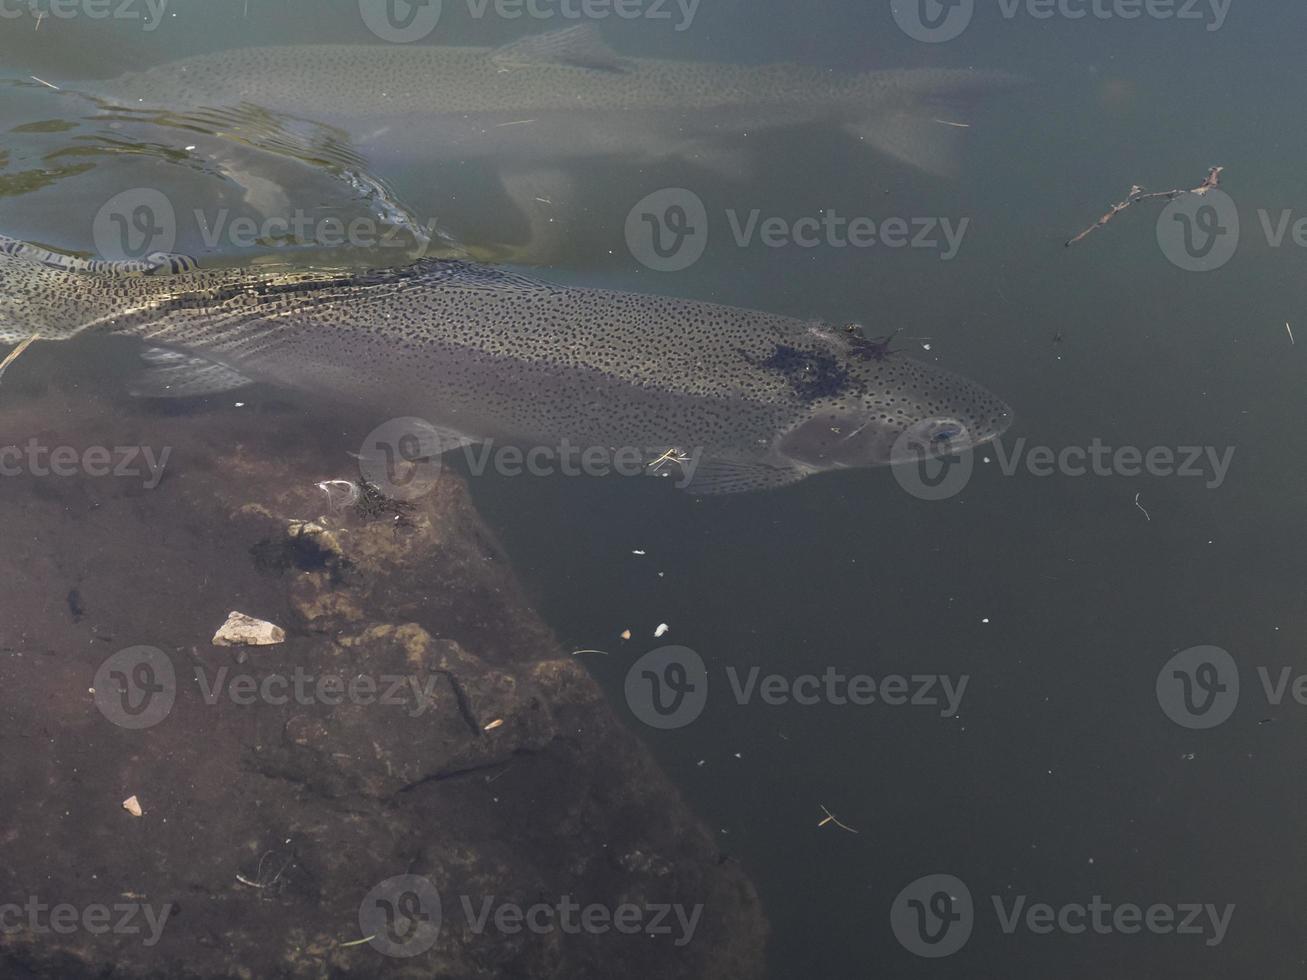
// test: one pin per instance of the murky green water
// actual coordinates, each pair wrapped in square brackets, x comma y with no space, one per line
[1077,766]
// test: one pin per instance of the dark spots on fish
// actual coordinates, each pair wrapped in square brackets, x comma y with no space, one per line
[864,348]
[811,374]
[75,607]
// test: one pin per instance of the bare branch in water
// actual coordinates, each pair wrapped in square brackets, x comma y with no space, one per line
[1137,194]
[13,354]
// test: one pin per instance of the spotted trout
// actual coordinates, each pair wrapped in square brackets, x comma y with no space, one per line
[737,399]
[559,96]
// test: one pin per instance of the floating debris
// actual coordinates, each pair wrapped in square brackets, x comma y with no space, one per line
[662,628]
[13,354]
[242,630]
[830,818]
[626,634]
[1289,330]
[1137,194]
[340,493]
[133,806]
[497,723]
[1141,507]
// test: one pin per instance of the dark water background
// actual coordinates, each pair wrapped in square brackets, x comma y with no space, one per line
[1061,778]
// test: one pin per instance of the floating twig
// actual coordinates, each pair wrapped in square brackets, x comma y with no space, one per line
[831,818]
[1137,194]
[1290,333]
[357,942]
[1141,507]
[13,354]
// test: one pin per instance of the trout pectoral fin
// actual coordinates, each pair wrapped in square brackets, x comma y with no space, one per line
[172,374]
[920,141]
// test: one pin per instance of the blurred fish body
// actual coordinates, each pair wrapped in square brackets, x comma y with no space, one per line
[563,95]
[742,400]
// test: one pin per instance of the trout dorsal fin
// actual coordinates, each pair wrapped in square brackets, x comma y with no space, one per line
[154,264]
[581,46]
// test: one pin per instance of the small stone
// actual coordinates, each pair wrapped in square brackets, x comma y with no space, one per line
[133,806]
[242,630]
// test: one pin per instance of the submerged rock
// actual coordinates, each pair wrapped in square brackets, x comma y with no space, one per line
[242,630]
[291,794]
